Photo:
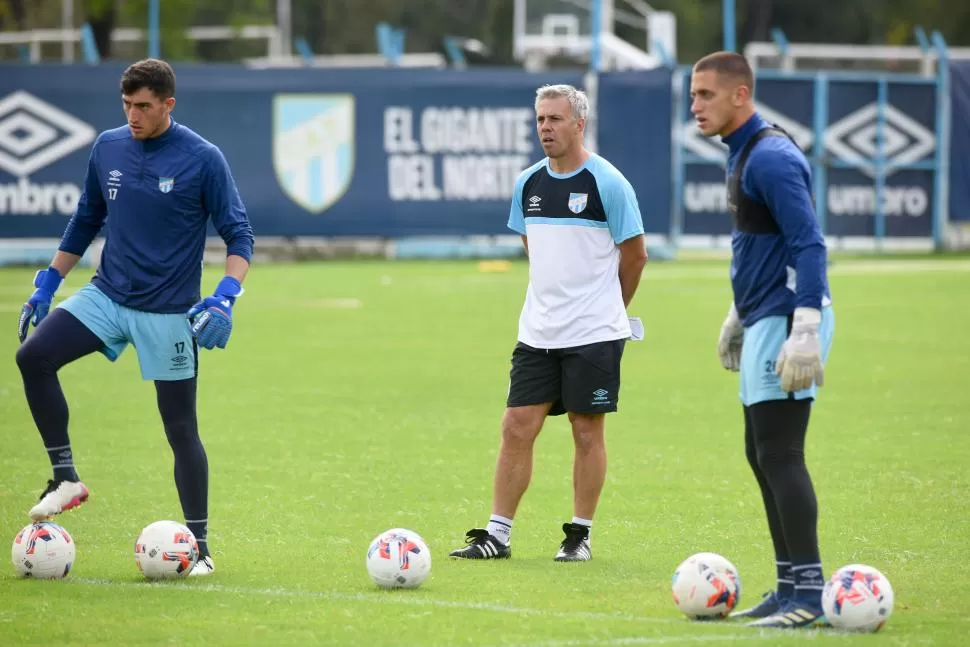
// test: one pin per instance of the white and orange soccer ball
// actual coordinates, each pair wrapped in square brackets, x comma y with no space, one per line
[706,586]
[398,559]
[858,598]
[166,550]
[43,550]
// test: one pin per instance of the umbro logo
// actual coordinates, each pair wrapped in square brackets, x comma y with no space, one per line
[599,393]
[115,173]
[853,138]
[534,203]
[35,134]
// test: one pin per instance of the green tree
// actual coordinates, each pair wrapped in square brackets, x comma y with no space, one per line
[348,26]
[13,15]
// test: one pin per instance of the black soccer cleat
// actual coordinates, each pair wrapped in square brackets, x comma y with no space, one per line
[481,545]
[792,615]
[575,547]
[769,605]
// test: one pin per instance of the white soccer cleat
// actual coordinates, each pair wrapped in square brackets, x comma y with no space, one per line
[203,567]
[59,497]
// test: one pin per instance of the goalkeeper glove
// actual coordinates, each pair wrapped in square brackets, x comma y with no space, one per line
[730,341]
[800,361]
[39,304]
[210,320]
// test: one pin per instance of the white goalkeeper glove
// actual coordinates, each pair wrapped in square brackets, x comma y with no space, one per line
[800,361]
[730,341]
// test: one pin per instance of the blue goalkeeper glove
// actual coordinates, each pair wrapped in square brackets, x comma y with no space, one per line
[39,304]
[210,320]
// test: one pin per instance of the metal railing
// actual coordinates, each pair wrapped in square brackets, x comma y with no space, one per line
[922,57]
[34,39]
[822,157]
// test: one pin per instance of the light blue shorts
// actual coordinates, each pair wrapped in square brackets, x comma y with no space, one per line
[163,342]
[762,343]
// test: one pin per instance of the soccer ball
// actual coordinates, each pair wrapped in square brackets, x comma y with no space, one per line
[43,550]
[858,598]
[398,559]
[706,586]
[166,550]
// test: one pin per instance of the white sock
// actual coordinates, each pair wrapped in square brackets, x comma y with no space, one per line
[500,528]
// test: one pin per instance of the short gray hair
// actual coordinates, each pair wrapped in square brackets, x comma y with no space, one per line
[577,98]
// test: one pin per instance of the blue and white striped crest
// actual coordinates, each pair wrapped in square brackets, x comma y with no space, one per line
[165,184]
[313,147]
[577,202]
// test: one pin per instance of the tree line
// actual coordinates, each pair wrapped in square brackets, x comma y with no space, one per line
[348,26]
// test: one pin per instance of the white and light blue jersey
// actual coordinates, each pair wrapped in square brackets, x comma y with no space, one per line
[574,222]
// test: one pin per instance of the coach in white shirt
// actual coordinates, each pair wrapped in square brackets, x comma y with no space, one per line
[582,230]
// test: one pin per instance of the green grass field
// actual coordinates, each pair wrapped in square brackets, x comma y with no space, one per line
[355,397]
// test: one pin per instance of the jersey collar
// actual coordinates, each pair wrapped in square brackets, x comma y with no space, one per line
[740,137]
[157,142]
[576,171]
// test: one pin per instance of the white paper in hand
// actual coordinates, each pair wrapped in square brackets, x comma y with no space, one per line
[636,329]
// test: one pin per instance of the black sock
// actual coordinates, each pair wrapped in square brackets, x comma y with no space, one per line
[779,433]
[200,528]
[176,403]
[59,339]
[786,580]
[62,459]
[809,582]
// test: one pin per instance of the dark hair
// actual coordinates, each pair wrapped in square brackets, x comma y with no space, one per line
[728,64]
[151,73]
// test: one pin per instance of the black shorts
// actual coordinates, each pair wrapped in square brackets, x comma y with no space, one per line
[581,379]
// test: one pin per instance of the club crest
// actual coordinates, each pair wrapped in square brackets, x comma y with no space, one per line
[577,202]
[313,147]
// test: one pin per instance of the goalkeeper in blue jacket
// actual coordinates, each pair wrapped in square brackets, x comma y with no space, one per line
[152,186]
[779,326]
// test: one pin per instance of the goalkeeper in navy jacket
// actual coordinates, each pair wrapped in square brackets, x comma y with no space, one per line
[152,186]
[780,324]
